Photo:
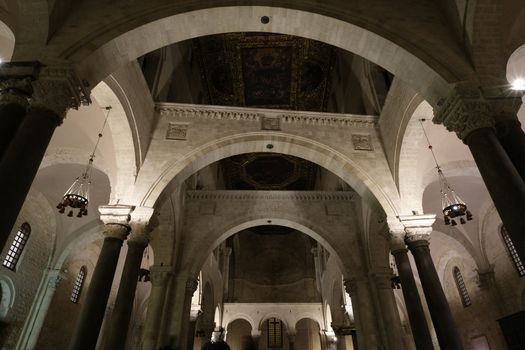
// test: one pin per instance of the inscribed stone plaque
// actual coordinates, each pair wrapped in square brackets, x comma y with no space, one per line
[177,131]
[271,123]
[362,142]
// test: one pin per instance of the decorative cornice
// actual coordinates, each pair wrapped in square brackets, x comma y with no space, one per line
[187,111]
[464,111]
[272,195]
[115,214]
[58,89]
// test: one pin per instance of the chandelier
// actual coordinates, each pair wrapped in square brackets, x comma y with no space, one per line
[77,196]
[451,204]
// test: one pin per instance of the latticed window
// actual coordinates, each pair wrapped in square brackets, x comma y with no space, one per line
[79,282]
[462,289]
[512,252]
[275,333]
[16,248]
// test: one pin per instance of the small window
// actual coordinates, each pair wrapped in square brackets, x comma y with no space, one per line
[512,252]
[462,289]
[13,255]
[275,333]
[77,287]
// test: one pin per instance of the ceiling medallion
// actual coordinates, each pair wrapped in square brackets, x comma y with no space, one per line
[77,196]
[451,205]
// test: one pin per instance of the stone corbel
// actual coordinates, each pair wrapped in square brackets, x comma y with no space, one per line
[464,111]
[58,88]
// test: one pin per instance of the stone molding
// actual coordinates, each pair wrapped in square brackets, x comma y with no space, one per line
[59,89]
[273,195]
[188,111]
[115,214]
[464,111]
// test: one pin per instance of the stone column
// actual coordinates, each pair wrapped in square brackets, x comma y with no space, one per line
[184,287]
[364,314]
[159,276]
[418,230]
[137,242]
[256,336]
[225,268]
[383,282]
[55,91]
[470,116]
[87,329]
[415,311]
[15,89]
[291,340]
[194,315]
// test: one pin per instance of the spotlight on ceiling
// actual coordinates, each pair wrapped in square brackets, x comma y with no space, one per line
[518,84]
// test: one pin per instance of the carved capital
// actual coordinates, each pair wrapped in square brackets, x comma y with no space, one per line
[115,214]
[464,111]
[350,286]
[58,89]
[117,231]
[417,227]
[16,91]
[142,221]
[159,275]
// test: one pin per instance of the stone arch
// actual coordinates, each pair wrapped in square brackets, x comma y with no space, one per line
[328,317]
[7,296]
[7,40]
[374,193]
[239,338]
[337,302]
[231,228]
[303,333]
[115,51]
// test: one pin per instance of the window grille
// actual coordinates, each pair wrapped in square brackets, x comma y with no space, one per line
[462,289]
[275,333]
[16,248]
[512,252]
[77,287]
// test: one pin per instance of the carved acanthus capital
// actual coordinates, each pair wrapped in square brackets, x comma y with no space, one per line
[417,227]
[143,220]
[159,275]
[464,111]
[116,219]
[15,91]
[58,89]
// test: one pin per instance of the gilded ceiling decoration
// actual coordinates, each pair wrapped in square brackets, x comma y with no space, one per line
[268,171]
[265,70]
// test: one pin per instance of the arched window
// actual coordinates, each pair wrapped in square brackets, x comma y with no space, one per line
[16,248]
[512,252]
[462,289]
[77,287]
[275,333]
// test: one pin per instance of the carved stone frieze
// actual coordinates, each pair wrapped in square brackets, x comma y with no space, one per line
[190,112]
[58,89]
[464,111]
[280,195]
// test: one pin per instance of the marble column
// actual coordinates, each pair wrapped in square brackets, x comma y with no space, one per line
[54,92]
[14,94]
[389,312]
[468,114]
[116,219]
[512,138]
[418,230]
[415,311]
[159,276]
[119,323]
[364,314]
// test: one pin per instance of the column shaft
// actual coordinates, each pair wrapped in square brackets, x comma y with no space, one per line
[92,314]
[444,324]
[512,138]
[11,116]
[505,185]
[416,314]
[20,165]
[121,316]
[364,314]
[159,278]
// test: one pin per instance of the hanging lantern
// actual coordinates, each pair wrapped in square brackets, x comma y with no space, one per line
[451,204]
[77,196]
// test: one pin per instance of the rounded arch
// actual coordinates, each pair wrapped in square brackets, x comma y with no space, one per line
[241,318]
[7,295]
[231,228]
[272,314]
[125,47]
[372,191]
